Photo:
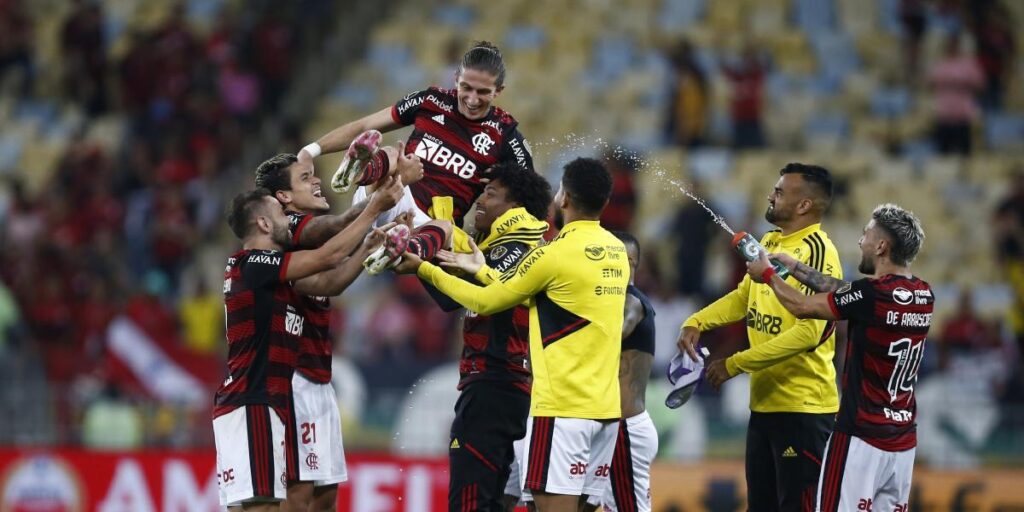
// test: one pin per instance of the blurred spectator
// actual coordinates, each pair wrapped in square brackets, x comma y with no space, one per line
[453,51]
[433,334]
[220,45]
[914,20]
[239,89]
[689,99]
[51,317]
[692,231]
[93,315]
[996,47]
[176,52]
[965,332]
[618,215]
[746,105]
[273,40]
[25,222]
[389,330]
[85,56]
[10,318]
[669,307]
[202,319]
[172,234]
[956,78]
[111,423]
[16,34]
[137,72]
[1008,228]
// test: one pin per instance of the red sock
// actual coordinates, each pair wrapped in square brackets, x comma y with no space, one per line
[378,166]
[426,241]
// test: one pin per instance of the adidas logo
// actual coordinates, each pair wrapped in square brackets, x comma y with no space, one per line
[790,452]
[439,119]
[455,444]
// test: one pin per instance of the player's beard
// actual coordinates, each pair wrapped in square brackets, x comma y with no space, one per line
[282,237]
[866,266]
[772,215]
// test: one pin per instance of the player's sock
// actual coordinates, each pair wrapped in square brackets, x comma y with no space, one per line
[375,170]
[426,241]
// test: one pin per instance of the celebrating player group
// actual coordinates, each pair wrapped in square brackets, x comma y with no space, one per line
[559,343]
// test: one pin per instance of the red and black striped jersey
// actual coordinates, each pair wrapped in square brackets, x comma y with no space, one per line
[315,343]
[889,320]
[497,347]
[263,327]
[456,151]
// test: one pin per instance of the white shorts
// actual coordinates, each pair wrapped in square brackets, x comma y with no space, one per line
[629,487]
[250,455]
[513,487]
[320,455]
[567,455]
[858,476]
[406,203]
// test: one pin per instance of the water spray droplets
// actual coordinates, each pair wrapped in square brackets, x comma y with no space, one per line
[573,142]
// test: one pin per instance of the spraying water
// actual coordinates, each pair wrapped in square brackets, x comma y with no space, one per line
[720,220]
[572,143]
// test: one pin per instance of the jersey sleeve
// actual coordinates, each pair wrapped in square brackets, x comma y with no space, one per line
[484,300]
[499,259]
[854,301]
[533,272]
[404,111]
[296,223]
[732,307]
[516,149]
[262,268]
[506,256]
[445,302]
[803,335]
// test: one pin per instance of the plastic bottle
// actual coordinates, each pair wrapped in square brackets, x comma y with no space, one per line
[748,247]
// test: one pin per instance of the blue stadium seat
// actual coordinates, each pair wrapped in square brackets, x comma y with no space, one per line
[524,37]
[455,16]
[1004,131]
[890,102]
[680,14]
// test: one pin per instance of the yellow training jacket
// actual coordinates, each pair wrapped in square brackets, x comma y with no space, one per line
[789,360]
[576,289]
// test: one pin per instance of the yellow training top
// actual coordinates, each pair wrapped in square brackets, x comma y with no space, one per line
[576,290]
[789,360]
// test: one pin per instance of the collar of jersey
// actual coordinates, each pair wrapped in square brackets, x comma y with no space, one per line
[582,223]
[802,233]
[525,228]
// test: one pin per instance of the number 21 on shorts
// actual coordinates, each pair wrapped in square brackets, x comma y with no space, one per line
[308,433]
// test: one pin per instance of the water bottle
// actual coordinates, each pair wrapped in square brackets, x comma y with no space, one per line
[748,247]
